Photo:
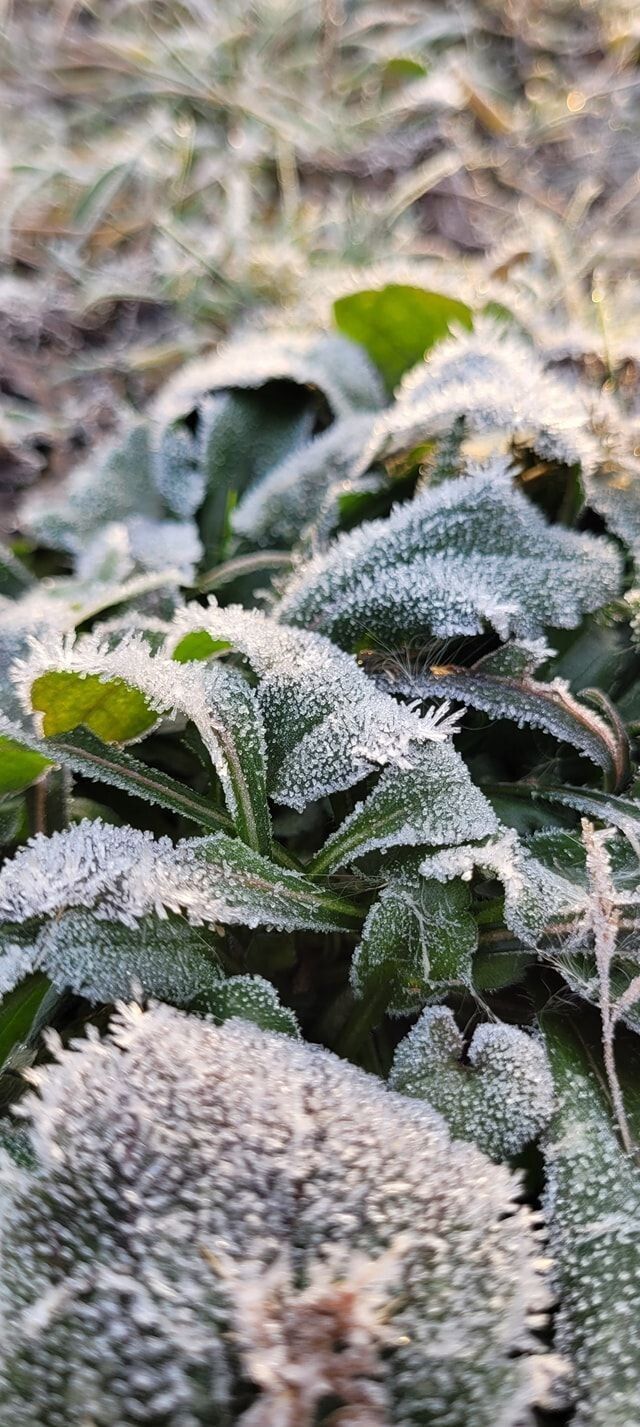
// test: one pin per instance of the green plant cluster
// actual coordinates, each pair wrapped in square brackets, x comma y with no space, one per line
[320,685]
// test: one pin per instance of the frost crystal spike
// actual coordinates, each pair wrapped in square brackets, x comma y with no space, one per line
[224,1226]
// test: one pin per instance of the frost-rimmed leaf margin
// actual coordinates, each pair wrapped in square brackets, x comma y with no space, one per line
[468,554]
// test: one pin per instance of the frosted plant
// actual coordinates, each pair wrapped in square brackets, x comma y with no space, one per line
[327,362]
[469,553]
[224,1226]
[218,701]
[326,724]
[536,893]
[591,1207]
[600,926]
[417,941]
[500,1097]
[502,684]
[432,801]
[497,383]
[291,496]
[114,485]
[65,899]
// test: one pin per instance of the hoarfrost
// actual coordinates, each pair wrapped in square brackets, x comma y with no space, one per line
[189,1179]
[470,552]
[501,1099]
[326,724]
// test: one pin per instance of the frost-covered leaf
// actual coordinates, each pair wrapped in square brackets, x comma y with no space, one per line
[14,576]
[469,553]
[294,1234]
[63,604]
[397,324]
[592,1210]
[548,903]
[326,724]
[537,893]
[83,753]
[251,998]
[496,382]
[241,437]
[120,691]
[612,810]
[500,1096]
[114,485]
[277,509]
[178,471]
[418,938]
[502,685]
[122,874]
[431,802]
[330,364]
[109,961]
[613,490]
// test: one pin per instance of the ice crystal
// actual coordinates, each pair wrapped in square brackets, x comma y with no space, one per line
[536,893]
[326,724]
[500,1098]
[121,874]
[471,552]
[592,1209]
[331,364]
[218,701]
[225,1225]
[432,802]
[417,939]
[292,495]
[496,381]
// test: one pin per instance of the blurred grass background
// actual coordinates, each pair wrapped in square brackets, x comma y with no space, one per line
[167,166]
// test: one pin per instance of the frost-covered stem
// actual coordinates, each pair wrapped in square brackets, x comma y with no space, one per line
[243,565]
[59,786]
[605,924]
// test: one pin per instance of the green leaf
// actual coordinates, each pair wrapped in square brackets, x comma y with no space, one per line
[111,708]
[500,1096]
[433,802]
[243,434]
[397,324]
[15,578]
[81,751]
[251,998]
[20,766]
[493,970]
[107,961]
[503,686]
[465,555]
[199,644]
[119,692]
[592,1211]
[12,819]
[18,1012]
[419,937]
